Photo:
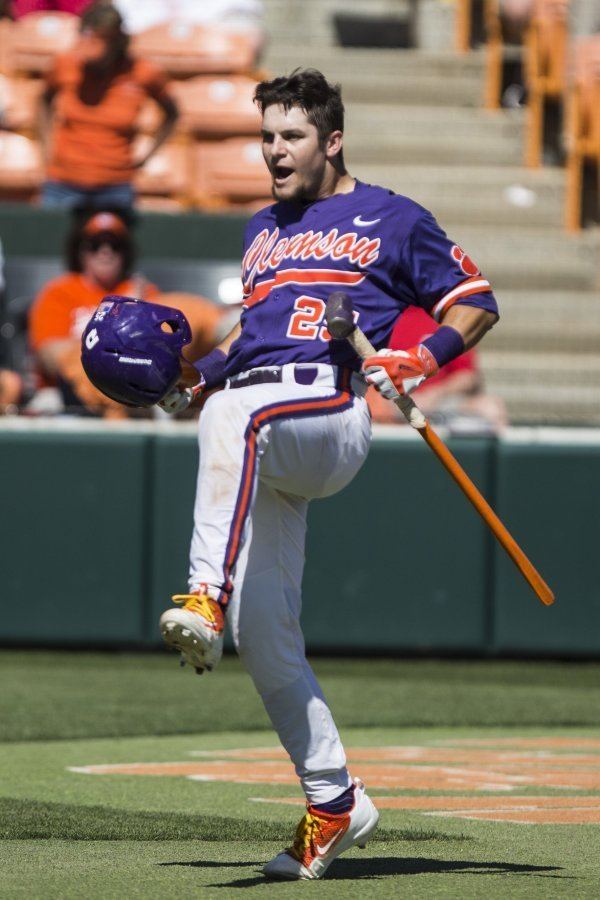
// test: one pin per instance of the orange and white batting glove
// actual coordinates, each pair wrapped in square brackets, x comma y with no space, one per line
[394,372]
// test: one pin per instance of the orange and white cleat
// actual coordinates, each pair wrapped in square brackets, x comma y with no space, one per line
[195,628]
[321,837]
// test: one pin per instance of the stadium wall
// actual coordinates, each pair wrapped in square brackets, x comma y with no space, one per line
[31,231]
[97,520]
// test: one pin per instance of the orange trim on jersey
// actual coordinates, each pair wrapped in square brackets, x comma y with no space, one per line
[474,285]
[302,276]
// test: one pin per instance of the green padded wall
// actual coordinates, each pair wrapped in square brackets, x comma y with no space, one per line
[400,559]
[549,497]
[72,532]
[30,231]
[174,466]
[96,525]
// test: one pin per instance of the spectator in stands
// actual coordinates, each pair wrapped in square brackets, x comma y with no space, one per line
[100,256]
[11,391]
[92,98]
[245,16]
[456,392]
[20,8]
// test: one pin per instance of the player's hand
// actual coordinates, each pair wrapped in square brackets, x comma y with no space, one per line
[394,372]
[178,399]
[185,391]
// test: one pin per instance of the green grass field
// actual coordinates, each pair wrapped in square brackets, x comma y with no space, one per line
[487,774]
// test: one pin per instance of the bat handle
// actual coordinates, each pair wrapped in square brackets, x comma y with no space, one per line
[407,406]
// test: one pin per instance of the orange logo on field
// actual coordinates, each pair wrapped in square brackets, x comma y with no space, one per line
[502,769]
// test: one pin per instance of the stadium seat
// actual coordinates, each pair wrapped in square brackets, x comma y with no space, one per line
[505,36]
[35,40]
[183,50]
[582,132]
[19,103]
[218,107]
[494,54]
[164,176]
[21,168]
[210,106]
[229,172]
[546,55]
[462,25]
[5,32]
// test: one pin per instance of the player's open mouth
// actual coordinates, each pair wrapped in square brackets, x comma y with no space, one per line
[281,174]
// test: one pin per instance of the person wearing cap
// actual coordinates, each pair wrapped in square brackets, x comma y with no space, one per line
[92,99]
[100,255]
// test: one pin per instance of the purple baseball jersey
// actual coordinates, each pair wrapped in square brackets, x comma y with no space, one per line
[381,248]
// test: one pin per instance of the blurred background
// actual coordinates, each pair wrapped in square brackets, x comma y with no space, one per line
[140,182]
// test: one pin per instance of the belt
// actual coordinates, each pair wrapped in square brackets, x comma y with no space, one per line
[320,374]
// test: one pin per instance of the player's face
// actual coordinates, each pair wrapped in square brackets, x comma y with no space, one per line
[295,156]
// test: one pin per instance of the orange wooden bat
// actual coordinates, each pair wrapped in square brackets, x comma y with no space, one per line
[340,324]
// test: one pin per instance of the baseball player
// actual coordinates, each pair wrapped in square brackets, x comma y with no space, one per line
[292,425]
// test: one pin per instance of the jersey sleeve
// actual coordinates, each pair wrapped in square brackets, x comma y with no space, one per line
[440,273]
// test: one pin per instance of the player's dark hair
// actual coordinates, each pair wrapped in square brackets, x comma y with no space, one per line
[309,90]
[76,239]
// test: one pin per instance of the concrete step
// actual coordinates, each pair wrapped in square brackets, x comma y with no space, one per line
[410,77]
[548,387]
[504,196]
[408,146]
[547,321]
[398,119]
[290,20]
[528,260]
[338,62]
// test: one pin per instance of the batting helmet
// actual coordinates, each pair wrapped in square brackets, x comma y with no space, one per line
[130,349]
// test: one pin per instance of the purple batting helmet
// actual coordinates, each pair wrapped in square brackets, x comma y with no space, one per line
[130,349]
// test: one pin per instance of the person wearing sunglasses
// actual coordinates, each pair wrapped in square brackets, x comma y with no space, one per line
[100,255]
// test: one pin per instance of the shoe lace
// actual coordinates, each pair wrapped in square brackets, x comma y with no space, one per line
[199,603]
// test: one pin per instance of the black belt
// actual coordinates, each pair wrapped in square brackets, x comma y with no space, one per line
[303,374]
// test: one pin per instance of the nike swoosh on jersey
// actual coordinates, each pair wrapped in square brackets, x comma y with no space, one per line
[363,222]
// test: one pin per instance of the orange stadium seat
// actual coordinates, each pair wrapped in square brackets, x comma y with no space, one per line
[546,57]
[5,32]
[185,50]
[463,23]
[19,103]
[494,54]
[230,172]
[218,107]
[582,130]
[35,40]
[21,167]
[210,106]
[163,183]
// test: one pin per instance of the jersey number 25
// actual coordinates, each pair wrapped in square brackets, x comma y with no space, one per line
[306,323]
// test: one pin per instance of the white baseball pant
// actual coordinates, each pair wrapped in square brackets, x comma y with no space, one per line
[265,451]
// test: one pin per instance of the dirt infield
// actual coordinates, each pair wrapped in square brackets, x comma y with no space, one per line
[467,768]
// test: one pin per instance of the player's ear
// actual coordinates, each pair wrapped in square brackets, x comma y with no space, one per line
[333,144]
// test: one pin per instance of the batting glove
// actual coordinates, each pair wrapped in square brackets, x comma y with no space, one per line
[179,399]
[394,372]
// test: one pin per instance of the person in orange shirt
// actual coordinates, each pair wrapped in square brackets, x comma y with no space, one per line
[456,391]
[93,96]
[100,259]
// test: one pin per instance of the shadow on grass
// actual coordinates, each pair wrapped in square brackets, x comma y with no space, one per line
[385,867]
